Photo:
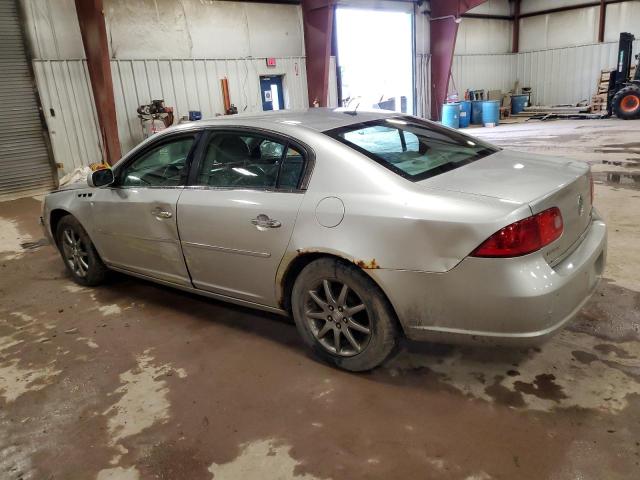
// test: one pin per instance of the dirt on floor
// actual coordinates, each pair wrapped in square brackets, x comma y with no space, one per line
[133,380]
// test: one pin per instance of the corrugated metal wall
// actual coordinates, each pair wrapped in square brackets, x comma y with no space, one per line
[566,75]
[194,84]
[560,75]
[477,72]
[185,84]
[67,101]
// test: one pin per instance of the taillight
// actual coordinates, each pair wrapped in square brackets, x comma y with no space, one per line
[524,236]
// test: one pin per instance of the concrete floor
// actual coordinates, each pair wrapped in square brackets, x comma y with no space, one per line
[133,380]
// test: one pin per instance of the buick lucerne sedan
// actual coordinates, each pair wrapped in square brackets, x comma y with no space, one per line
[362,226]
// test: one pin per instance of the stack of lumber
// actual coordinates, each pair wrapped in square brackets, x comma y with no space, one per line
[599,100]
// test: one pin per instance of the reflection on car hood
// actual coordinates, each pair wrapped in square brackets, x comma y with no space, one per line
[507,175]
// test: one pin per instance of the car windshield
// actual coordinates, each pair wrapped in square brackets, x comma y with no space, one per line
[412,148]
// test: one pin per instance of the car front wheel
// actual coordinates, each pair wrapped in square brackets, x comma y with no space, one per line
[343,316]
[79,254]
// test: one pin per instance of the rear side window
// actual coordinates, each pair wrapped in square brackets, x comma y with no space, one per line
[411,148]
[244,160]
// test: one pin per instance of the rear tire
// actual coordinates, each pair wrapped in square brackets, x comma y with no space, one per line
[343,316]
[626,103]
[78,253]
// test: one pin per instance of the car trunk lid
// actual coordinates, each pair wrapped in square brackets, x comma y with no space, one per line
[522,178]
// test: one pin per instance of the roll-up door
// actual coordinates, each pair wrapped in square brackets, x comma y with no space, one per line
[25,165]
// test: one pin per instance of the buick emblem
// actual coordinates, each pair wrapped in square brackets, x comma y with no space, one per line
[580,205]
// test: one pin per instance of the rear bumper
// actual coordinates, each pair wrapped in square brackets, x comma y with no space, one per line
[517,301]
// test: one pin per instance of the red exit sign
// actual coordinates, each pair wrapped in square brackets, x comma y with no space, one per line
[271,62]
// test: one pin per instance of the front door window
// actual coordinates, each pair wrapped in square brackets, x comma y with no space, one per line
[163,166]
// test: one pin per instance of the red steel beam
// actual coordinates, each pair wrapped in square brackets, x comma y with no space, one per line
[570,7]
[94,38]
[317,16]
[601,22]
[515,43]
[443,31]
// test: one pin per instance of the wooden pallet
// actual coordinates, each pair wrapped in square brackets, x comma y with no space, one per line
[599,100]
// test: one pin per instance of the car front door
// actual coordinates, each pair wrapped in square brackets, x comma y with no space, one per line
[135,218]
[235,222]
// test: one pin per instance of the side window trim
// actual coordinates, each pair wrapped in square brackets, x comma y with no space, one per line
[165,139]
[199,153]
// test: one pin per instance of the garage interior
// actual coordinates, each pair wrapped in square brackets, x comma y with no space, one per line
[133,380]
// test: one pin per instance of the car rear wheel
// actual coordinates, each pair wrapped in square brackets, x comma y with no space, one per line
[78,253]
[626,103]
[343,316]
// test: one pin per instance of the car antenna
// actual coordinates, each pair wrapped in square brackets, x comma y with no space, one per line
[353,112]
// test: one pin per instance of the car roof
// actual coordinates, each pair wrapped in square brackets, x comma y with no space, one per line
[319,119]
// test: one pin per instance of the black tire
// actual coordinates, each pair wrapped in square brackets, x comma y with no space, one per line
[626,103]
[377,317]
[91,271]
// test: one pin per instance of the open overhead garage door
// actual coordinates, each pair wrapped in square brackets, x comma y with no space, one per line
[25,165]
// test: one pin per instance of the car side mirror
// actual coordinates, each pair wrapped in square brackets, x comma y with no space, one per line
[101,178]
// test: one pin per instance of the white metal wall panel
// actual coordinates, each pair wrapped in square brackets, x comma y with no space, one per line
[25,166]
[185,84]
[483,36]
[622,17]
[194,84]
[69,109]
[557,76]
[566,75]
[482,72]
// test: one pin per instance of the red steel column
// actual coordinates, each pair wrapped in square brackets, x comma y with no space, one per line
[443,31]
[94,37]
[602,19]
[317,17]
[515,43]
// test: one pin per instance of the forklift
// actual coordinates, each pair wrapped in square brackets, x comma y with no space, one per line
[623,97]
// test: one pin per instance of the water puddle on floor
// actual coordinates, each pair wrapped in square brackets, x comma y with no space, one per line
[618,179]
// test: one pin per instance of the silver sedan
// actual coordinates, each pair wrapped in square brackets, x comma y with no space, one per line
[363,226]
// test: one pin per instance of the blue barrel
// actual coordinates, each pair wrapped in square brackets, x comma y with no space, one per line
[490,113]
[476,112]
[465,113]
[451,115]
[518,102]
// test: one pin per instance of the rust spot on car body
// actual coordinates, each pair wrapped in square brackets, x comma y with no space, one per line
[370,265]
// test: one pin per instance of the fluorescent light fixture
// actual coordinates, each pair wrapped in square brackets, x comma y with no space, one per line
[244,171]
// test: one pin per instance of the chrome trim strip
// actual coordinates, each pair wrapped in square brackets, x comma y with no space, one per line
[227,250]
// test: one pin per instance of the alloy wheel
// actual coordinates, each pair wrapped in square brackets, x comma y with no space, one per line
[75,252]
[338,318]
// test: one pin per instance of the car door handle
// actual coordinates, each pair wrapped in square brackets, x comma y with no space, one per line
[263,221]
[159,213]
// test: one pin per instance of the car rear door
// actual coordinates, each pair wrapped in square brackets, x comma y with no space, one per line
[237,217]
[135,224]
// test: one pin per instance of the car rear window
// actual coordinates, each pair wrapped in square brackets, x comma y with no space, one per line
[412,148]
